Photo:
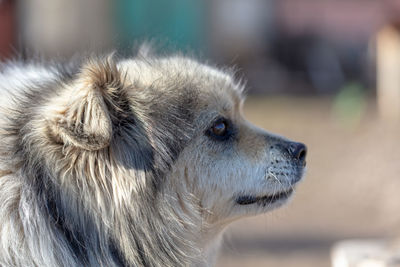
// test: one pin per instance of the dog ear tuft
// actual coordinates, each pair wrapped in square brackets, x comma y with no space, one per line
[145,50]
[90,105]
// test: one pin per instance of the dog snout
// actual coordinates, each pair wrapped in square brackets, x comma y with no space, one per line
[293,150]
[298,151]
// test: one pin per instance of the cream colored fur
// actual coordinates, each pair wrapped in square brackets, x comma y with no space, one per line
[112,163]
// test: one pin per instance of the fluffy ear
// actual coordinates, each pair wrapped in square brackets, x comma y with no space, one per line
[89,107]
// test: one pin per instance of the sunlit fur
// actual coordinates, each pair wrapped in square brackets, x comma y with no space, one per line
[105,162]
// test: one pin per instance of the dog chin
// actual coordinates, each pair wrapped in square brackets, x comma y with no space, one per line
[264,200]
[268,201]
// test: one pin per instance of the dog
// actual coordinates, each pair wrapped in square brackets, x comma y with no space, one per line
[141,161]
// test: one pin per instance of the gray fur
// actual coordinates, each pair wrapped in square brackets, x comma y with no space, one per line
[91,164]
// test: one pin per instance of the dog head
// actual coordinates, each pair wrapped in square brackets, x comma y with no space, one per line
[232,167]
[177,126]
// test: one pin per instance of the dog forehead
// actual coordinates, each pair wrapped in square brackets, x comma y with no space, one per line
[184,78]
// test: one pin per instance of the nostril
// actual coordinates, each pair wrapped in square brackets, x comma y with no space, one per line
[302,154]
[298,151]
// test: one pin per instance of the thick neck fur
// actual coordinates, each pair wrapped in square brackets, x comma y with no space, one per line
[101,220]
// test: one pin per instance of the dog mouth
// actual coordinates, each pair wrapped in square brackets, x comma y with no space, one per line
[263,200]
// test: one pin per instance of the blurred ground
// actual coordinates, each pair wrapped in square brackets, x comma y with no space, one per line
[351,188]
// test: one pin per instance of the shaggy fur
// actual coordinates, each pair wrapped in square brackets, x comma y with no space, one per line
[116,163]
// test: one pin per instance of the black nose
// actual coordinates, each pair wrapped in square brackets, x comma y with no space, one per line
[298,151]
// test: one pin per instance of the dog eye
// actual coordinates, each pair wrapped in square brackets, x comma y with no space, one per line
[220,130]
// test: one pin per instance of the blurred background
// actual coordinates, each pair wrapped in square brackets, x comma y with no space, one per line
[324,72]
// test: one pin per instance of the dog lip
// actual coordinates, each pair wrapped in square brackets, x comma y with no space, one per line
[248,200]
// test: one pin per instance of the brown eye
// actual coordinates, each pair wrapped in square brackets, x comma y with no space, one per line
[219,128]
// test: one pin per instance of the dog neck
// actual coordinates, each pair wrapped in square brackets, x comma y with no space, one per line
[210,247]
[206,237]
